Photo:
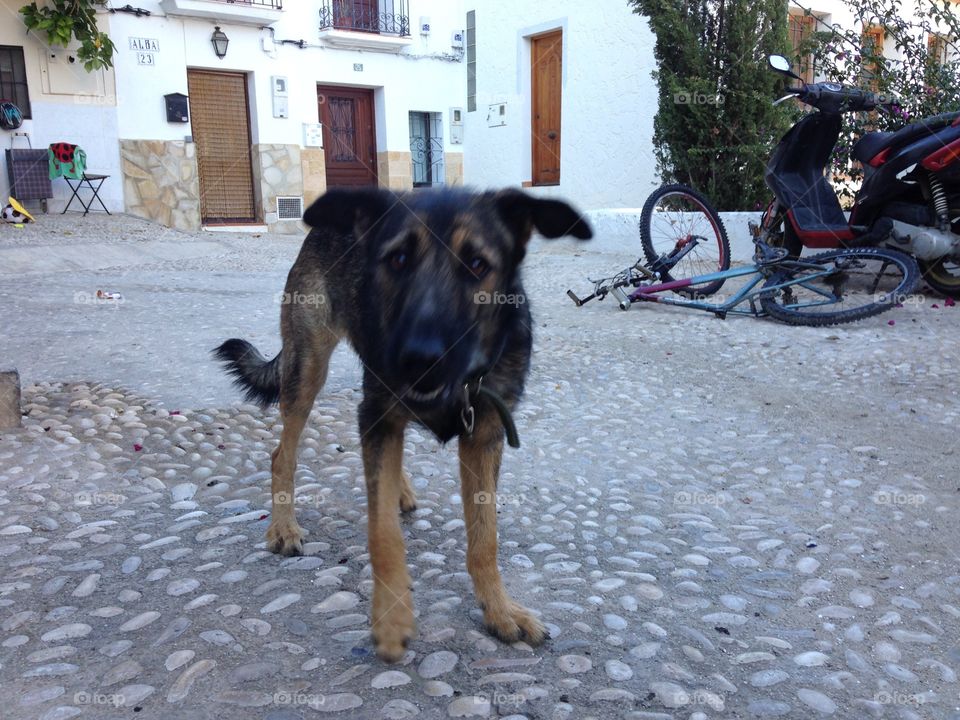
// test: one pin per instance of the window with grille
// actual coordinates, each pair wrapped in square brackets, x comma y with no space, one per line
[801,29]
[426,148]
[13,78]
[471,61]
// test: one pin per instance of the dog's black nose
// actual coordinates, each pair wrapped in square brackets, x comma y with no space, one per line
[420,360]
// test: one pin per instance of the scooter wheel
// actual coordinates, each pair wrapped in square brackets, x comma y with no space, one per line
[942,275]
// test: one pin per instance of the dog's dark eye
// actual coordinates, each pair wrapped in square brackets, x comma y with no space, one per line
[478,267]
[398,260]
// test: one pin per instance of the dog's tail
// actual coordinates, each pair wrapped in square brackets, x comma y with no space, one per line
[259,377]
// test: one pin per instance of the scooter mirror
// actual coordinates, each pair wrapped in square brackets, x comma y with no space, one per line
[781,65]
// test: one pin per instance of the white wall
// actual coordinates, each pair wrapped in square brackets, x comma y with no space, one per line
[618,231]
[608,103]
[69,105]
[409,83]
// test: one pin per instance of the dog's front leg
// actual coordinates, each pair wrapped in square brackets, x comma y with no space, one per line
[392,613]
[479,467]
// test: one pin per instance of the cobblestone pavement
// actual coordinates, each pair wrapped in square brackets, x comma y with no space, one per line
[716,519]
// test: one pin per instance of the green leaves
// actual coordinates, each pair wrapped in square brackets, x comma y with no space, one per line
[715,125]
[69,19]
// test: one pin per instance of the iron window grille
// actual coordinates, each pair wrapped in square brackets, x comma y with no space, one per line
[426,148]
[387,17]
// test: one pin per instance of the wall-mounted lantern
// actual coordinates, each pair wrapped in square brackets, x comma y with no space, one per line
[220,42]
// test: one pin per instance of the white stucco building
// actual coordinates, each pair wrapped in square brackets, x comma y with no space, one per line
[563,100]
[384,78]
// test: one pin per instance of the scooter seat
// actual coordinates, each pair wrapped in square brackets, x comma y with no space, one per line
[869,145]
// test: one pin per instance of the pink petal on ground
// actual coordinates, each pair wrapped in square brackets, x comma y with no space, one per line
[891,322]
[949,302]
[935,306]
[137,447]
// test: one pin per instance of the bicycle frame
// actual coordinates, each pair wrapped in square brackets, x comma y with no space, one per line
[749,292]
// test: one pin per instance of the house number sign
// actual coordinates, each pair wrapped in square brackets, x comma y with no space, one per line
[145,49]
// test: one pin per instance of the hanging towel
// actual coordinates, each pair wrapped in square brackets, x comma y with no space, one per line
[66,160]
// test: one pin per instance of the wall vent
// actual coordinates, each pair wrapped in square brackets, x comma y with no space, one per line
[289,208]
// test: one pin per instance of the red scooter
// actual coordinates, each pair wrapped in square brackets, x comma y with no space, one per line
[910,196]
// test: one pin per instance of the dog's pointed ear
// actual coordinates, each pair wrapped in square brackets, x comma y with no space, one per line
[523,213]
[344,209]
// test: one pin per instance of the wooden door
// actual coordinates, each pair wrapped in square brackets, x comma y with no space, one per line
[220,118]
[349,138]
[546,88]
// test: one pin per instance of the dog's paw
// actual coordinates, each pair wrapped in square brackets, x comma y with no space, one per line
[408,499]
[285,538]
[514,622]
[392,633]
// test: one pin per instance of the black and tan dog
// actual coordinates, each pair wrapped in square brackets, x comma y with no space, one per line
[426,288]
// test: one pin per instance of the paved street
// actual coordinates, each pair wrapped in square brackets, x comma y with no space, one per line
[715,519]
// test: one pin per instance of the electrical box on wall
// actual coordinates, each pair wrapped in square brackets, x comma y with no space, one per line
[281,106]
[456,40]
[497,115]
[424,25]
[177,108]
[313,135]
[456,126]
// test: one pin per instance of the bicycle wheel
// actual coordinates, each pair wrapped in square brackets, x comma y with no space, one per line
[846,285]
[675,220]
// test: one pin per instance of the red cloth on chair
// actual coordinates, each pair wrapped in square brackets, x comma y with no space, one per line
[67,160]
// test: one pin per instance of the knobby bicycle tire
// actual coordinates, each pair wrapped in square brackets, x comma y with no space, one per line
[851,279]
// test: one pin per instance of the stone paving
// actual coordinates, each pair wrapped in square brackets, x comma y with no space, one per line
[715,519]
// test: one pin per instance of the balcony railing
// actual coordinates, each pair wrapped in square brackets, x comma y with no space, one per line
[273,4]
[249,12]
[383,17]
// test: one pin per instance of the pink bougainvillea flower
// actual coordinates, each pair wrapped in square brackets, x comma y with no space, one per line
[137,447]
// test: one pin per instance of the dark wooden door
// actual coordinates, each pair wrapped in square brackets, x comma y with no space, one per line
[220,119]
[546,87]
[349,138]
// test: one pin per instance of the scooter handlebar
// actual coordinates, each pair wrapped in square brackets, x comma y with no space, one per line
[836,98]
